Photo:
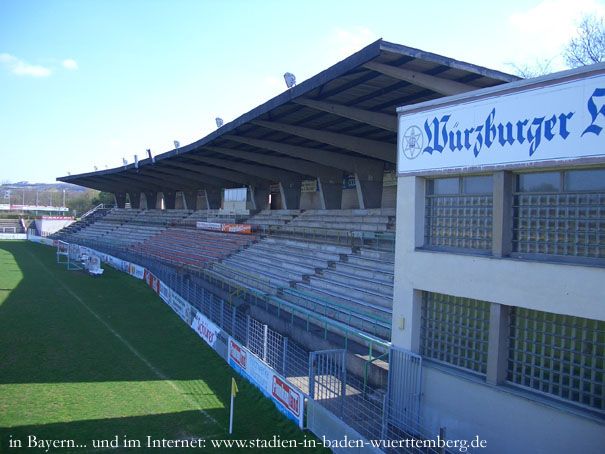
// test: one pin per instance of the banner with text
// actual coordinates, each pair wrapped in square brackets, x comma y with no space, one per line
[538,124]
[205,328]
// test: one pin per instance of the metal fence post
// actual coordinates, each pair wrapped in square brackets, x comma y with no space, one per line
[233,315]
[285,356]
[265,341]
[311,376]
[247,331]
[343,391]
[222,313]
[383,425]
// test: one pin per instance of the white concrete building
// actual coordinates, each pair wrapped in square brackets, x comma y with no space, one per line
[500,261]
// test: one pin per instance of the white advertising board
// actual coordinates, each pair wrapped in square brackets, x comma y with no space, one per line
[205,328]
[208,225]
[136,270]
[289,400]
[551,123]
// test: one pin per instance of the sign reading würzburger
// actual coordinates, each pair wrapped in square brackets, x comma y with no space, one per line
[556,122]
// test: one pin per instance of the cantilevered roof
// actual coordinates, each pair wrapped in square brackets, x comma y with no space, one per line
[340,119]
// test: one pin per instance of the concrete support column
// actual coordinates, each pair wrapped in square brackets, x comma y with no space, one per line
[407,301]
[169,199]
[497,352]
[120,199]
[502,229]
[260,197]
[290,194]
[135,199]
[213,199]
[190,200]
[368,180]
[330,190]
[151,200]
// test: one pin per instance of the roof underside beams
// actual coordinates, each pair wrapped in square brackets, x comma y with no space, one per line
[341,120]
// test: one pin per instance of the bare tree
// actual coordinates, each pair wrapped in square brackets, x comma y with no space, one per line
[588,46]
[527,71]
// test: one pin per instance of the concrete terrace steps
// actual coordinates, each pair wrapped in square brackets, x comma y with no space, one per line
[354,212]
[348,290]
[174,256]
[380,286]
[168,242]
[322,247]
[347,226]
[271,267]
[233,273]
[179,251]
[374,264]
[252,254]
[350,302]
[341,314]
[341,218]
[201,240]
[361,271]
[217,236]
[376,255]
[298,252]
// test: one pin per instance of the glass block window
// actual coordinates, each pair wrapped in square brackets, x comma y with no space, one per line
[559,355]
[459,214]
[455,331]
[560,214]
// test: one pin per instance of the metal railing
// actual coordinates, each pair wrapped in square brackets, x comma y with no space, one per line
[363,321]
[92,210]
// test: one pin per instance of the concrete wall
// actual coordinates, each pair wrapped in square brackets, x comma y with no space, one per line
[229,205]
[389,197]
[349,199]
[310,200]
[509,422]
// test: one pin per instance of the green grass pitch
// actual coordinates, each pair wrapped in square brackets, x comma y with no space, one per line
[88,359]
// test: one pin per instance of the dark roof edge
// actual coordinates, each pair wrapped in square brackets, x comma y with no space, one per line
[446,61]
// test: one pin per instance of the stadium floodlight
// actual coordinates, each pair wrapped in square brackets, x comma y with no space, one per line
[124,161]
[176,143]
[96,168]
[136,161]
[219,122]
[150,156]
[68,173]
[290,79]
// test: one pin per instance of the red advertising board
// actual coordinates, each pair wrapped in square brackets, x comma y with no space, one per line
[238,355]
[286,395]
[236,228]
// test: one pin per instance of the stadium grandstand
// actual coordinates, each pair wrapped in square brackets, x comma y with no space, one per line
[280,228]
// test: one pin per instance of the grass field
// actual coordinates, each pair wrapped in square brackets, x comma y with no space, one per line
[88,359]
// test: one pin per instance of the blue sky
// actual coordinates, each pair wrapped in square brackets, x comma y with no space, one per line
[85,83]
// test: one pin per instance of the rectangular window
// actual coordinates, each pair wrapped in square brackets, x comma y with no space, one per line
[459,214]
[560,214]
[558,355]
[455,331]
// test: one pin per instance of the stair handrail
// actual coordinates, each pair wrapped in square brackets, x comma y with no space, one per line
[92,210]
